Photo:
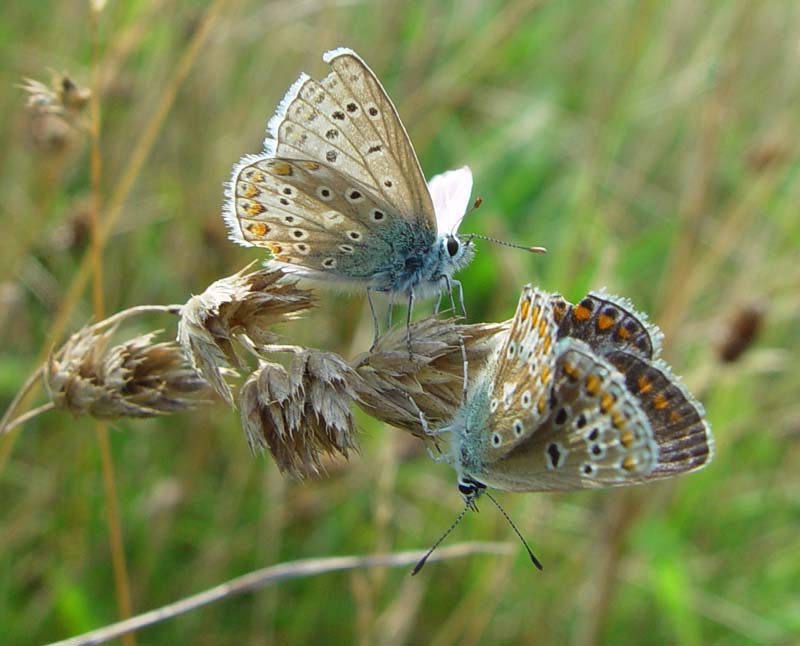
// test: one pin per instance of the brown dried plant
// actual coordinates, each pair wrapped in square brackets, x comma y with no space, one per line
[301,413]
[55,112]
[237,310]
[137,378]
[396,386]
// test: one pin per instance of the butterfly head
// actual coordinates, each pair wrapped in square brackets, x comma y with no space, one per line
[470,489]
[456,252]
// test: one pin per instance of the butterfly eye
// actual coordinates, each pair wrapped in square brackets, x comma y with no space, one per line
[466,489]
[452,246]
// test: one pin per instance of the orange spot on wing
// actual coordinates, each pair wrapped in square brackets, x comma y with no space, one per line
[606,402]
[248,191]
[310,165]
[581,313]
[542,326]
[629,464]
[623,332]
[617,419]
[256,176]
[282,168]
[592,385]
[571,371]
[546,343]
[675,417]
[660,402]
[526,304]
[258,229]
[541,405]
[254,209]
[604,322]
[645,385]
[535,311]
[275,249]
[626,439]
[544,376]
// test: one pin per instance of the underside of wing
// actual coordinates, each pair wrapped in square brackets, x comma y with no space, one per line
[684,437]
[524,370]
[349,123]
[595,435]
[309,218]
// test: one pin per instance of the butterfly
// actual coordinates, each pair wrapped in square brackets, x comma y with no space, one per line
[338,194]
[576,397]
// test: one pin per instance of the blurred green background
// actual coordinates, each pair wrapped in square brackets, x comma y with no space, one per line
[651,146]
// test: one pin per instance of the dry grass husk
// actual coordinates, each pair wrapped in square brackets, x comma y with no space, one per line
[137,378]
[237,311]
[301,413]
[395,386]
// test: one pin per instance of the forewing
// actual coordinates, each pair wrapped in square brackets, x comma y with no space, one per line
[308,216]
[348,122]
[519,397]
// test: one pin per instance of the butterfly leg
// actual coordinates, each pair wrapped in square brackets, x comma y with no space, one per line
[428,434]
[438,303]
[449,282]
[408,321]
[452,282]
[375,325]
[389,314]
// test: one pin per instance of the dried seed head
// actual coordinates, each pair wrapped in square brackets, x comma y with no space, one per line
[54,111]
[300,414]
[137,378]
[395,388]
[239,308]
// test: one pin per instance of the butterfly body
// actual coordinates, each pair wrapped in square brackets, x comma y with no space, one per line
[338,194]
[574,399]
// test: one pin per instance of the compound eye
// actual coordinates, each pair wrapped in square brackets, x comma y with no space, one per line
[466,489]
[452,246]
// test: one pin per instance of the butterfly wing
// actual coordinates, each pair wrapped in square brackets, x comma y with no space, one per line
[684,437]
[519,398]
[594,435]
[450,193]
[606,322]
[348,122]
[311,219]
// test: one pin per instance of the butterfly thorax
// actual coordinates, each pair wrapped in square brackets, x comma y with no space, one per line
[420,261]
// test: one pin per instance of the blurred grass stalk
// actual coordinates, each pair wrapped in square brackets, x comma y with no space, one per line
[267,576]
[122,584]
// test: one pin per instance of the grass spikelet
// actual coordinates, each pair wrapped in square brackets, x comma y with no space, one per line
[396,387]
[237,310]
[302,413]
[137,378]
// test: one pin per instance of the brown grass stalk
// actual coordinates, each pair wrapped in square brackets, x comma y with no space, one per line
[122,584]
[276,573]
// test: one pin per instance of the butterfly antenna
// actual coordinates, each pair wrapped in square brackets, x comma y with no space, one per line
[421,563]
[472,236]
[536,561]
[475,205]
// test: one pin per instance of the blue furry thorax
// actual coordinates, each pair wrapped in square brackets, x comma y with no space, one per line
[409,256]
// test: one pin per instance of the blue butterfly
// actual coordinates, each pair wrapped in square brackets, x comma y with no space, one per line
[338,194]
